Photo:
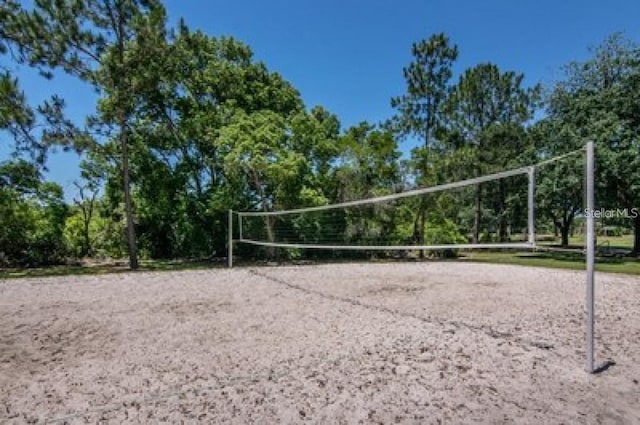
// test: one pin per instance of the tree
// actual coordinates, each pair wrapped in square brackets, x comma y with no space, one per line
[369,163]
[483,98]
[258,155]
[369,166]
[32,129]
[90,40]
[559,185]
[420,108]
[597,100]
[32,216]
[85,201]
[427,78]
[201,85]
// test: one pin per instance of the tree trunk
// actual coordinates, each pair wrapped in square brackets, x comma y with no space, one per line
[269,221]
[86,249]
[131,231]
[503,232]
[636,235]
[272,252]
[418,226]
[420,220]
[122,89]
[564,230]
[477,215]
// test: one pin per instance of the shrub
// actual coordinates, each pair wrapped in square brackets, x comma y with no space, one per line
[442,231]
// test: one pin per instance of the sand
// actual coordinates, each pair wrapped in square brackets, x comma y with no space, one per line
[453,343]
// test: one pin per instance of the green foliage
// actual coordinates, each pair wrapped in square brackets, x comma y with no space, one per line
[427,77]
[421,108]
[487,111]
[212,118]
[367,167]
[485,96]
[107,44]
[106,236]
[258,152]
[74,234]
[614,231]
[189,125]
[368,164]
[597,100]
[32,216]
[442,231]
[32,131]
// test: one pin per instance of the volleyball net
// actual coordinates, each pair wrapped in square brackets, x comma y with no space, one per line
[492,211]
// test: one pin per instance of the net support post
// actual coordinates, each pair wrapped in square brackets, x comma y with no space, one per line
[590,256]
[230,240]
[531,205]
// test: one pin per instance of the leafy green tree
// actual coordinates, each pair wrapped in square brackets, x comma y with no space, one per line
[90,40]
[32,216]
[559,185]
[105,234]
[507,146]
[369,166]
[420,109]
[369,163]
[597,100]
[203,84]
[427,78]
[30,130]
[483,98]
[259,156]
[85,202]
[317,134]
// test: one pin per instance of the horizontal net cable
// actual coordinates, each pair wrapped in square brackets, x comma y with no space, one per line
[558,158]
[422,191]
[506,245]
[557,249]
[432,189]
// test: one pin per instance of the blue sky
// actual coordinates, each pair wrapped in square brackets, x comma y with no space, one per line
[348,55]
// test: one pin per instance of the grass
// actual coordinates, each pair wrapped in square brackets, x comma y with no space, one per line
[557,260]
[621,242]
[563,260]
[104,268]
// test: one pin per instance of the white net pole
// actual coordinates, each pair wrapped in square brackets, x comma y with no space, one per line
[531,212]
[230,240]
[590,201]
[529,244]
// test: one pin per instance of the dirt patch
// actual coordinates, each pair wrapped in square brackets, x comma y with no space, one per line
[393,289]
[192,308]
